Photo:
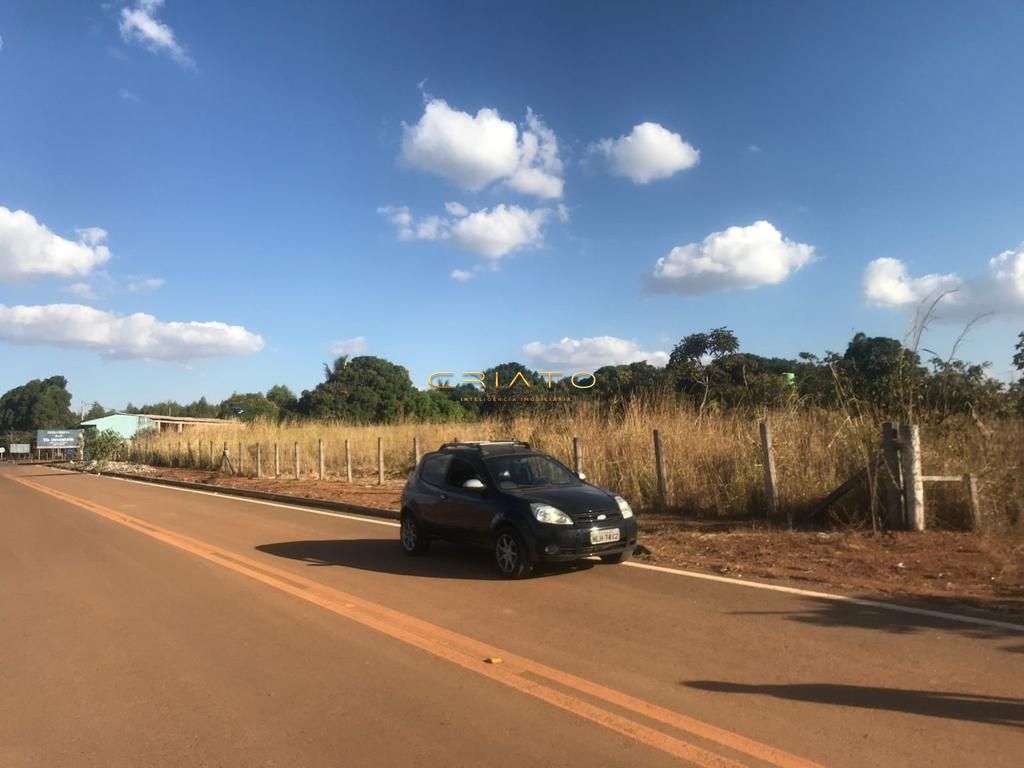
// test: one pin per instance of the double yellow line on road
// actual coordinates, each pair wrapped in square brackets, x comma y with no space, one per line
[516,672]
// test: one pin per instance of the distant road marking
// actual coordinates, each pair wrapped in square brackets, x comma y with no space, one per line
[866,602]
[469,654]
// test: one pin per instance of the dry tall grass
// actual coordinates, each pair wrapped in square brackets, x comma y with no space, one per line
[713,464]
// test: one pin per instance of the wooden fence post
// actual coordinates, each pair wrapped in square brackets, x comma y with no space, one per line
[277,460]
[320,456]
[348,462]
[380,461]
[891,480]
[913,480]
[210,457]
[296,459]
[189,453]
[577,457]
[259,460]
[659,468]
[415,451]
[972,494]
[770,478]
[225,460]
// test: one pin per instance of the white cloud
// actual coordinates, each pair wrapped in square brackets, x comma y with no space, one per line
[648,153]
[139,24]
[1,43]
[540,169]
[999,290]
[591,353]
[29,249]
[755,149]
[143,284]
[349,347]
[137,336]
[494,233]
[473,151]
[401,217]
[463,275]
[488,233]
[82,291]
[456,209]
[125,95]
[739,257]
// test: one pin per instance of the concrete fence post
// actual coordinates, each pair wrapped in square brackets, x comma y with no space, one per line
[296,459]
[320,457]
[277,460]
[415,451]
[259,460]
[380,461]
[892,479]
[913,480]
[972,494]
[348,462]
[770,477]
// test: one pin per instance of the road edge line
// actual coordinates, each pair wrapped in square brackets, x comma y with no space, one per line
[863,601]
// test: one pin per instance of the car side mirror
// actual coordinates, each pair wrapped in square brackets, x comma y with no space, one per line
[582,476]
[474,484]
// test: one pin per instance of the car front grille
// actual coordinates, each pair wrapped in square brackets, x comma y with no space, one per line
[590,516]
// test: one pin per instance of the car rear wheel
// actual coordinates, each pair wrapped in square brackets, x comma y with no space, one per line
[511,555]
[618,557]
[414,541]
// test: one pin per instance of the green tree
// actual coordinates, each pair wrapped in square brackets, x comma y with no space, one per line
[883,373]
[364,390]
[953,386]
[103,445]
[1018,358]
[248,406]
[39,404]
[283,397]
[95,412]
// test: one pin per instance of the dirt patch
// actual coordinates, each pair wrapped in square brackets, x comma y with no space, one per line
[959,570]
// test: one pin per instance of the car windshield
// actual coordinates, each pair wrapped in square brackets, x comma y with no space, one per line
[529,471]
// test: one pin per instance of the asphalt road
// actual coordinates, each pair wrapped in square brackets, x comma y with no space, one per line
[147,626]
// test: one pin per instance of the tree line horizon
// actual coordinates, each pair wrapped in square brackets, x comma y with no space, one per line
[706,371]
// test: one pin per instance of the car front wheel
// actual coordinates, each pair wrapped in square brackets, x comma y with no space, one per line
[414,541]
[511,556]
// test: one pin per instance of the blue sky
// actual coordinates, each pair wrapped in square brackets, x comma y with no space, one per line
[275,169]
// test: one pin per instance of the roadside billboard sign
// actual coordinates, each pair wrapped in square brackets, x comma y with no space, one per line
[58,438]
[21,448]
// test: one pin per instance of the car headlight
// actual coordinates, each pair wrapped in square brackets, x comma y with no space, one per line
[624,508]
[545,513]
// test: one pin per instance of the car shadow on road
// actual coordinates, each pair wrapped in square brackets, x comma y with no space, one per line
[994,710]
[445,561]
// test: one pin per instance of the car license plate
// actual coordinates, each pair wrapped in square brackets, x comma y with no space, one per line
[604,537]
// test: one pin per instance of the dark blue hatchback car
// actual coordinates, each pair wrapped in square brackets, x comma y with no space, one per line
[523,505]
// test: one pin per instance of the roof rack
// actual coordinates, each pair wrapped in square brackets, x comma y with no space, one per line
[480,444]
